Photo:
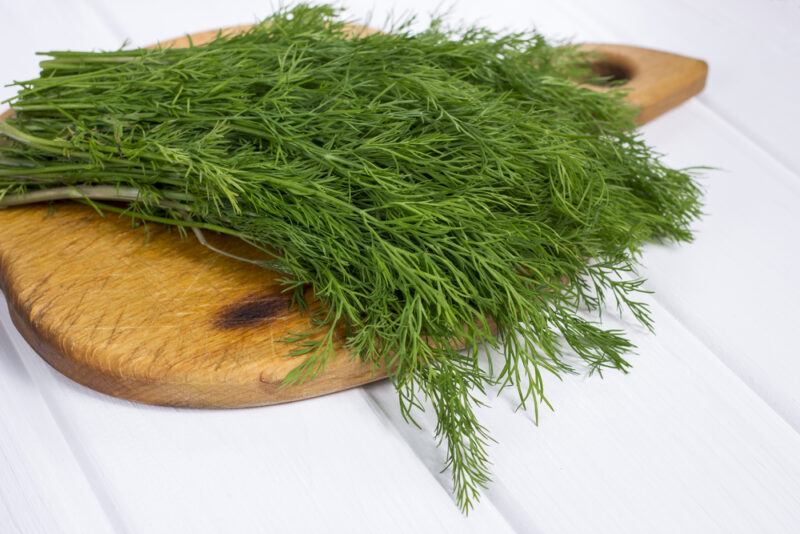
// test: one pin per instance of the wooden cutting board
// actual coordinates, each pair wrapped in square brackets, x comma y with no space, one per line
[142,314]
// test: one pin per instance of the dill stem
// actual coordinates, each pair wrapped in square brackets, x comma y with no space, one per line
[94,192]
[72,192]
[170,221]
[85,58]
[18,135]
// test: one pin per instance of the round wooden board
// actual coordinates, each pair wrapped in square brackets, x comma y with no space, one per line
[142,314]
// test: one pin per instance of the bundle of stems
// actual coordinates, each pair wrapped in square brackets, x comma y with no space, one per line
[441,191]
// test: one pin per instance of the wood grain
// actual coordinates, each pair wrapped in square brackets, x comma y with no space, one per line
[141,314]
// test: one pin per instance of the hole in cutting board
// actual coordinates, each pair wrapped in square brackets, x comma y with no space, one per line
[609,73]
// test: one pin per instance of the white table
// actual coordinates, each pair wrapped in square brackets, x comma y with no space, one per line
[701,436]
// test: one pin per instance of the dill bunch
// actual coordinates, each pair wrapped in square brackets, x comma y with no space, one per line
[440,192]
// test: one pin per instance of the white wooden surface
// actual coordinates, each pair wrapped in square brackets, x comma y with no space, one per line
[702,436]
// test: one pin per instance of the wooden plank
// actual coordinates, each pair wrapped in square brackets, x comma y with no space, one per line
[734,286]
[41,482]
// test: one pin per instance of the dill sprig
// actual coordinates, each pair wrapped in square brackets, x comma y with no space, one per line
[437,190]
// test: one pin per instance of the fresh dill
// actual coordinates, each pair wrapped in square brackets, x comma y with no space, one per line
[439,191]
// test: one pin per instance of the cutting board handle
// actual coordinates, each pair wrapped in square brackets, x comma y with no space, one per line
[656,81]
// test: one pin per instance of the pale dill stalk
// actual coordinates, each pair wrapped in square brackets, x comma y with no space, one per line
[439,190]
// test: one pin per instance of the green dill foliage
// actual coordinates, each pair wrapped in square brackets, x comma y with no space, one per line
[436,190]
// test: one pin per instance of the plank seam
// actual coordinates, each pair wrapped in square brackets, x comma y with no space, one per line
[752,141]
[690,333]
[381,414]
